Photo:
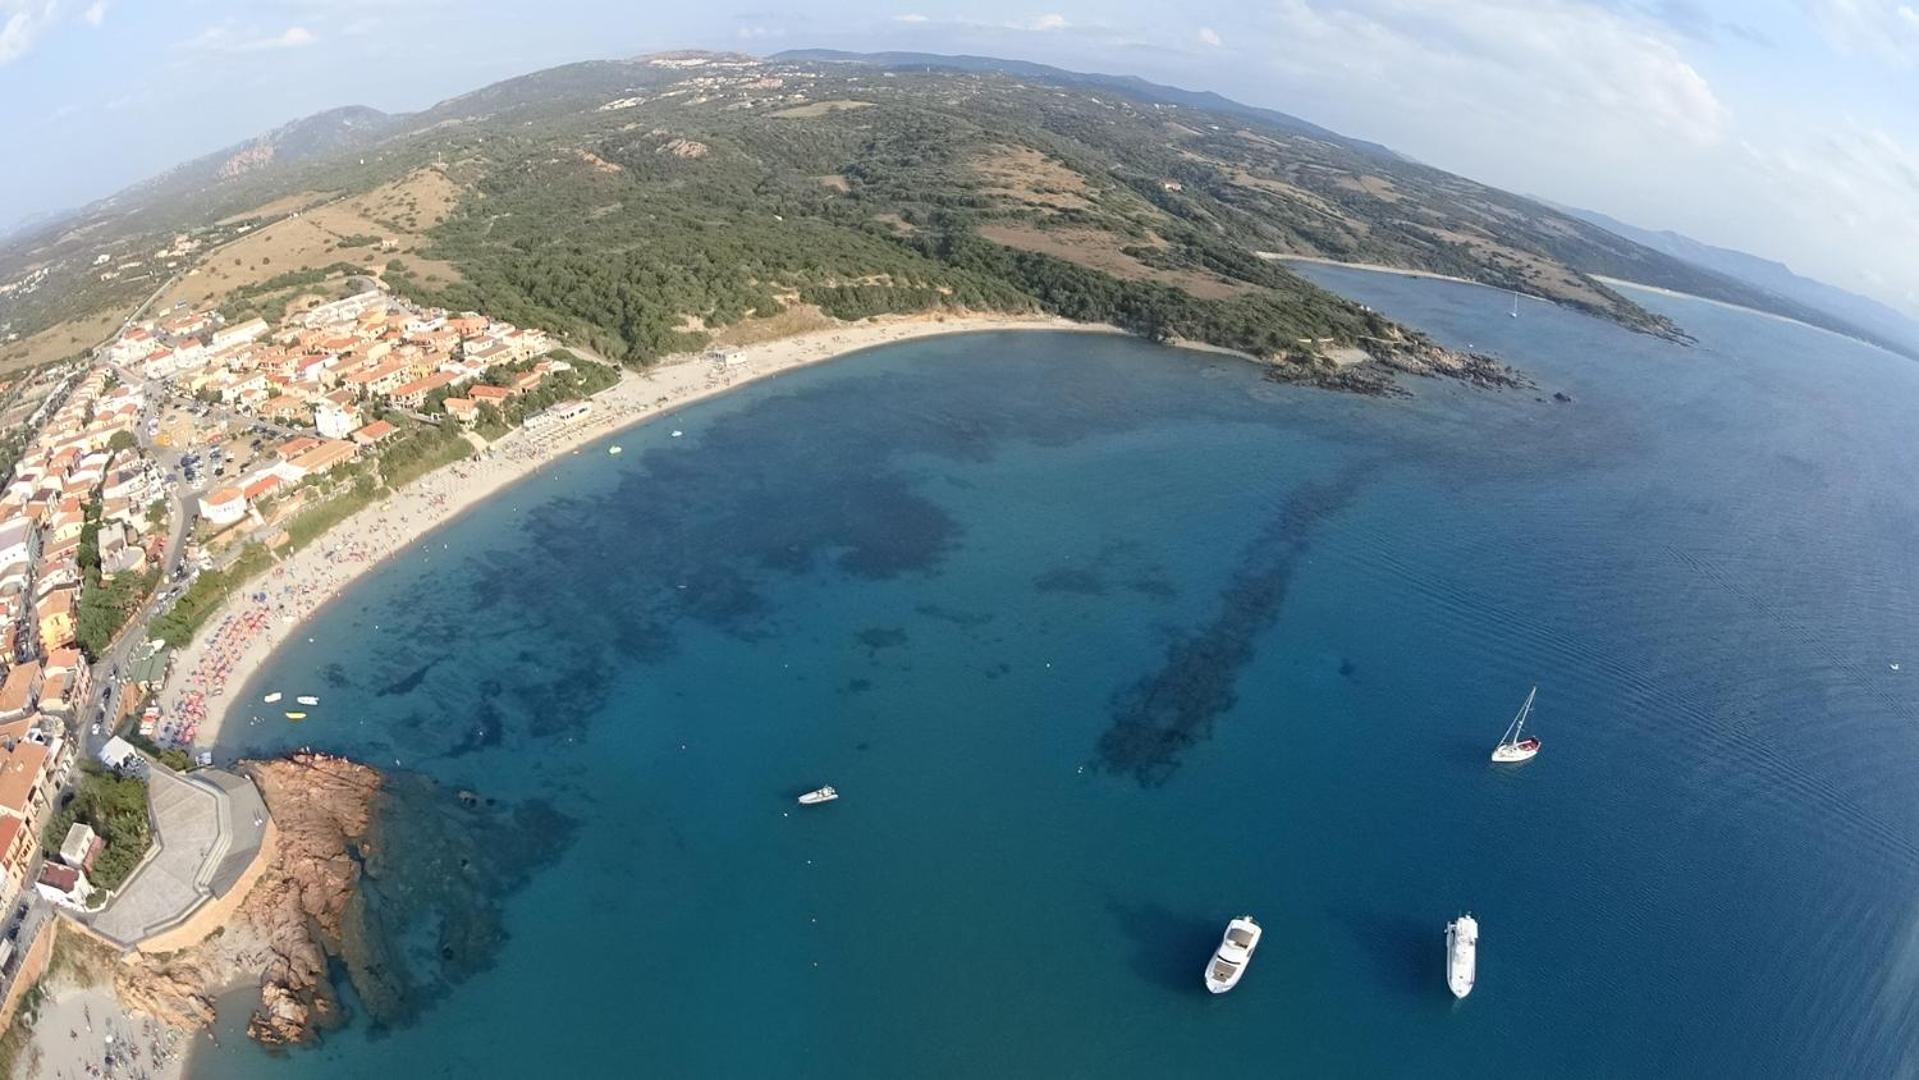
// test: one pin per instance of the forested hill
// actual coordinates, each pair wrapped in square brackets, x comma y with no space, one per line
[650,205]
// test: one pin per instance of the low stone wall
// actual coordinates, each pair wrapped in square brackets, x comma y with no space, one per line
[217,912]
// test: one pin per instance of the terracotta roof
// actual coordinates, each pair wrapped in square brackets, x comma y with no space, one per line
[19,771]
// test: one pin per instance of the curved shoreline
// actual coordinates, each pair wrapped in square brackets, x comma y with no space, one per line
[299,585]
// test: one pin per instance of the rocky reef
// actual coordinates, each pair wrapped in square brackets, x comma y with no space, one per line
[1378,373]
[364,861]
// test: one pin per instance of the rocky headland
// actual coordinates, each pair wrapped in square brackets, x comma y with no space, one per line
[363,858]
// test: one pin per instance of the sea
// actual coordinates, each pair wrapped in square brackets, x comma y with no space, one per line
[1105,643]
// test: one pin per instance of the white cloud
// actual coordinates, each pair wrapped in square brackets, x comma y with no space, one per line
[96,13]
[1886,29]
[21,24]
[911,17]
[1600,105]
[1560,64]
[1209,36]
[1041,23]
[226,37]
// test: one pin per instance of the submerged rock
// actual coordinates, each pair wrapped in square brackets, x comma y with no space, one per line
[363,861]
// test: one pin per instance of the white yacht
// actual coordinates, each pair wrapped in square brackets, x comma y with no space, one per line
[1234,953]
[1514,746]
[819,795]
[1462,954]
[273,697]
[307,699]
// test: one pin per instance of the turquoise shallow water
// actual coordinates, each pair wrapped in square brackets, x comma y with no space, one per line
[1105,643]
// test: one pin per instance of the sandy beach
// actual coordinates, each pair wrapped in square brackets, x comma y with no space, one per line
[84,1031]
[251,624]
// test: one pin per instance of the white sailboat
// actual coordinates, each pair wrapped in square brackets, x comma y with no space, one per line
[1515,303]
[1462,954]
[1235,951]
[1515,745]
[819,795]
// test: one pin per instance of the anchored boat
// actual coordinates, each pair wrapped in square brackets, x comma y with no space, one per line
[307,699]
[1235,951]
[1462,954]
[272,698]
[819,795]
[1515,746]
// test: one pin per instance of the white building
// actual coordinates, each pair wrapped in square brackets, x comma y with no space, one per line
[223,506]
[334,420]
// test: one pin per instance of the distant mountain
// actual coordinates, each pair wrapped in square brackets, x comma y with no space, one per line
[631,197]
[1131,85]
[335,131]
[1873,320]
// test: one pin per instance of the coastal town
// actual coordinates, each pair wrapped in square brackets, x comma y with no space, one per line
[185,496]
[147,484]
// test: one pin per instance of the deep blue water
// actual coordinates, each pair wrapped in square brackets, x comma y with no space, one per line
[1104,644]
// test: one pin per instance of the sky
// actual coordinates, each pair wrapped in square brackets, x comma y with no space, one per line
[1786,128]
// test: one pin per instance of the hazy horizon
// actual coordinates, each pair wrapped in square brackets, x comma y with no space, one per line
[1789,130]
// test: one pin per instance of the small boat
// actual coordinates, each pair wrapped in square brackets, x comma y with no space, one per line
[273,697]
[612,449]
[1462,954]
[296,716]
[677,433]
[1235,951]
[1515,303]
[819,795]
[307,699]
[1515,746]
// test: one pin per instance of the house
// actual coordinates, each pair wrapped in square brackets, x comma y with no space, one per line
[14,538]
[55,611]
[560,415]
[71,663]
[335,420]
[223,506]
[344,311]
[56,694]
[490,395]
[317,459]
[66,885]
[81,846]
[18,846]
[20,690]
[120,756]
[382,378]
[238,334]
[262,484]
[24,790]
[465,410]
[283,407]
[413,395]
[374,433]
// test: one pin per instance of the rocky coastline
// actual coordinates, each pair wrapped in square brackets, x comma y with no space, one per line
[1381,372]
[363,857]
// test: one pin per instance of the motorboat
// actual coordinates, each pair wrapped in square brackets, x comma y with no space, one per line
[677,433]
[273,697]
[1515,745]
[1462,954]
[612,449]
[307,699]
[819,795]
[1235,951]
[296,716]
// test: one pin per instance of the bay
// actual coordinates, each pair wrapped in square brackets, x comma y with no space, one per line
[1104,643]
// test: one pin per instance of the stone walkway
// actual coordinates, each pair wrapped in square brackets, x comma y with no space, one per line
[207,828]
